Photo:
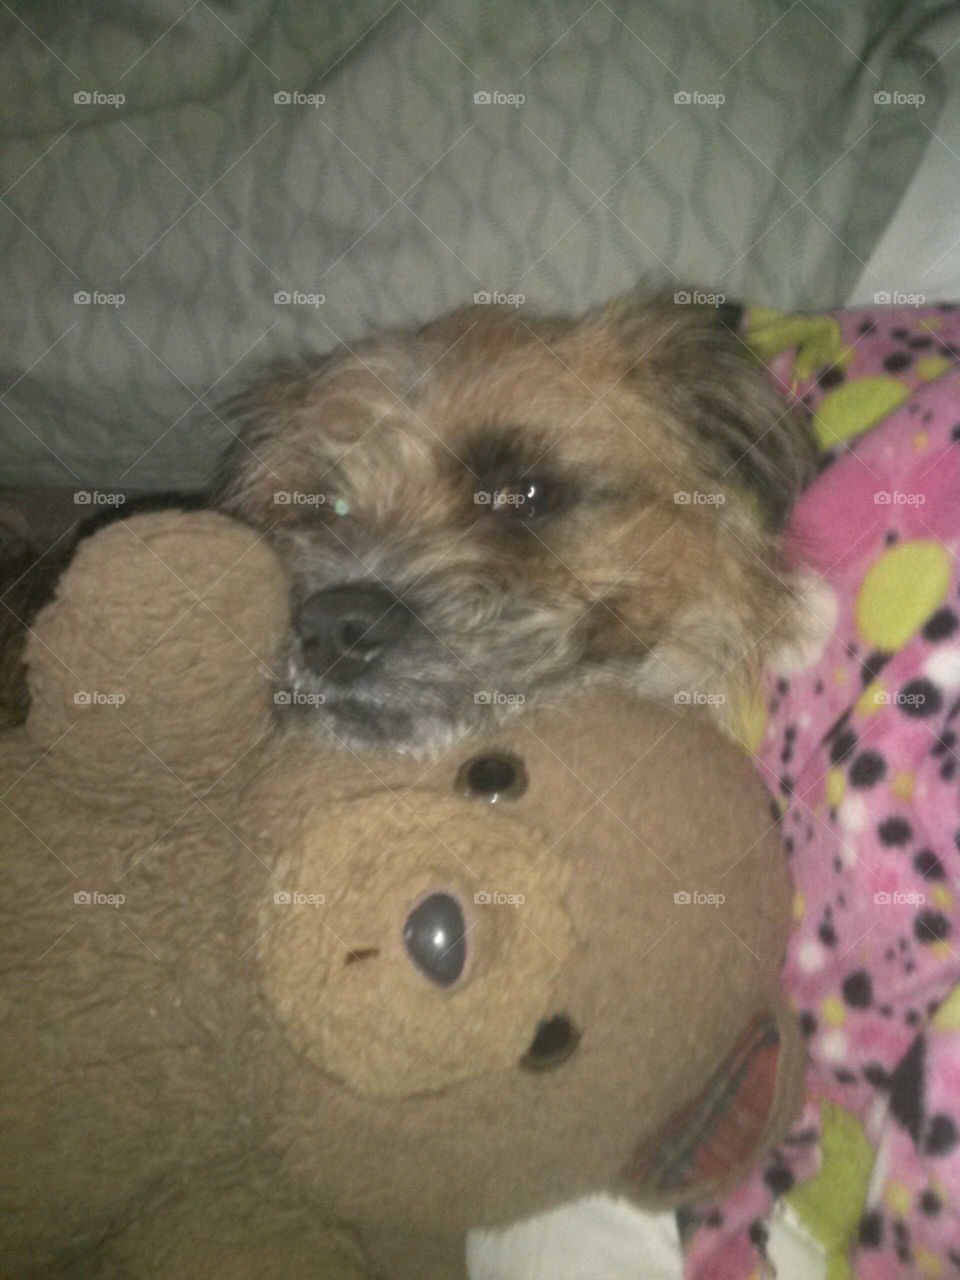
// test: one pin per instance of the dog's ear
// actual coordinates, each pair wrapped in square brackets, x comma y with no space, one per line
[295,418]
[279,436]
[692,360]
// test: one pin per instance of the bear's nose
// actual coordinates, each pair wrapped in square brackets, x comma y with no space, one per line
[345,630]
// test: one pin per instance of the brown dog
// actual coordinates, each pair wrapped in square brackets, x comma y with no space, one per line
[493,507]
[484,511]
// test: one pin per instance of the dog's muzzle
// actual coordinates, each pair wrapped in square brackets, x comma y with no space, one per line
[347,631]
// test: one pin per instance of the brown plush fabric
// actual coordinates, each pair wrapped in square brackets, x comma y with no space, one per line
[226,1061]
[389,1036]
[40,530]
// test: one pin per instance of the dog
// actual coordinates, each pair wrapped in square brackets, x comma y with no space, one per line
[482,512]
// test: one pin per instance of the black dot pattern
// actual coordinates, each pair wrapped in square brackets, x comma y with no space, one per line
[878,878]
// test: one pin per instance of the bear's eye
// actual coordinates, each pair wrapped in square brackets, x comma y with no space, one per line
[434,936]
[492,777]
[555,1041]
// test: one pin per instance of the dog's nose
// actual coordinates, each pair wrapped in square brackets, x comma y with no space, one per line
[344,630]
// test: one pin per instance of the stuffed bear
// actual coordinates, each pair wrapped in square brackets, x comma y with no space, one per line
[273,1009]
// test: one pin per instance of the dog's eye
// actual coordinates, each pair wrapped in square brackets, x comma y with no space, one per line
[526,499]
[539,499]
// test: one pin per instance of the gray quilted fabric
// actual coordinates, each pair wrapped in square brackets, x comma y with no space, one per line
[204,199]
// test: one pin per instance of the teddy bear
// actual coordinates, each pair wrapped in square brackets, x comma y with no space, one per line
[275,1009]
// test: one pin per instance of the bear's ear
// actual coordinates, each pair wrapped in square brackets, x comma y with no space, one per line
[745,1108]
[164,630]
[688,357]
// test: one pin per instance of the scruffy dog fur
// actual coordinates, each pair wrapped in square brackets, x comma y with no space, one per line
[482,512]
[500,505]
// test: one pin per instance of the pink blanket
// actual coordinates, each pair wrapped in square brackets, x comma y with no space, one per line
[861,751]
